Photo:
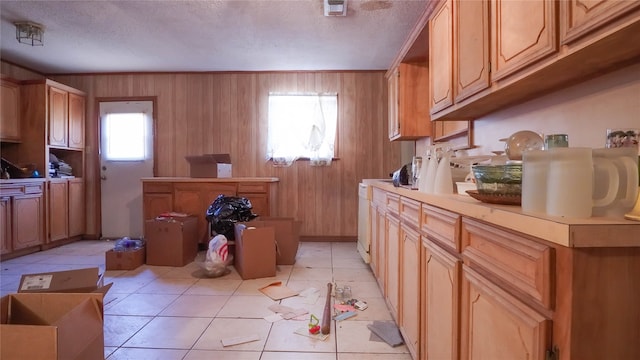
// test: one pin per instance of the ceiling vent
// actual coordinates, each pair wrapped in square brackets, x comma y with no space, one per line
[335,7]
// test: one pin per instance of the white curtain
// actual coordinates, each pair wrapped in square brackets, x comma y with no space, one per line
[302,126]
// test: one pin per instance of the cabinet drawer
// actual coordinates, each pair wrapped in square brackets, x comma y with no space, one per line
[157,187]
[254,188]
[514,261]
[393,203]
[410,212]
[441,226]
[33,189]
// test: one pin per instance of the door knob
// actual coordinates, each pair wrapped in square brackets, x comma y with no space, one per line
[103,177]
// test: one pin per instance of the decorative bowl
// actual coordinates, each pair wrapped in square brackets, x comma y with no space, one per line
[498,179]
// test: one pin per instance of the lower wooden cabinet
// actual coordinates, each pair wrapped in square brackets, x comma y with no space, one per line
[58,209]
[21,215]
[410,275]
[393,263]
[77,208]
[441,303]
[383,252]
[5,225]
[497,325]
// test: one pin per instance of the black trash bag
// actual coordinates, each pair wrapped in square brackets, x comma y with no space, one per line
[225,211]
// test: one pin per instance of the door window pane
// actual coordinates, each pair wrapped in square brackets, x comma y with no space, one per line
[125,137]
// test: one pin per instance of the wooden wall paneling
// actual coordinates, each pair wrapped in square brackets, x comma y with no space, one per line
[236,101]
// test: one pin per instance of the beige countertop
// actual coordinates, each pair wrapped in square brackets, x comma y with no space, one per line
[218,180]
[592,232]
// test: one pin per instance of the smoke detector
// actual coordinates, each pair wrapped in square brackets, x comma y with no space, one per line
[335,7]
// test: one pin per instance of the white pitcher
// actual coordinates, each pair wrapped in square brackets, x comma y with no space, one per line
[570,182]
[535,169]
[626,161]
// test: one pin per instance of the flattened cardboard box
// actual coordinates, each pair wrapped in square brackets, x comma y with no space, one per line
[171,241]
[52,326]
[70,281]
[209,166]
[124,260]
[255,253]
[287,232]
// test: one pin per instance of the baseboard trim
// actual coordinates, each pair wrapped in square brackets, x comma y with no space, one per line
[328,238]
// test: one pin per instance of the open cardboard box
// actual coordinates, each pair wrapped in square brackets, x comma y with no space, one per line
[124,260]
[287,233]
[52,326]
[255,253]
[210,166]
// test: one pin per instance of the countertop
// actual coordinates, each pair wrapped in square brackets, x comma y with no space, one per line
[218,180]
[592,232]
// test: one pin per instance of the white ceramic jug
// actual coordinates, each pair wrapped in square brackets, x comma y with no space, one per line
[570,182]
[535,169]
[431,169]
[443,183]
[625,160]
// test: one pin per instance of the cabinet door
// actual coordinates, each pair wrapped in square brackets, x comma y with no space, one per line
[156,204]
[410,290]
[259,203]
[471,52]
[497,325]
[394,108]
[522,32]
[77,213]
[6,225]
[382,250]
[58,210]
[440,57]
[28,219]
[9,111]
[58,117]
[373,230]
[76,121]
[393,264]
[579,17]
[413,120]
[441,292]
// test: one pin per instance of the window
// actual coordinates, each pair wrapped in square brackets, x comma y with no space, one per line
[124,136]
[302,126]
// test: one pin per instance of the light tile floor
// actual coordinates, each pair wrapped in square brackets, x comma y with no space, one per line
[157,312]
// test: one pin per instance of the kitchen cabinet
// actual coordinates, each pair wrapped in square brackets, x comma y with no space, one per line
[392,266]
[77,206]
[6,226]
[497,325]
[498,284]
[58,209]
[22,212]
[195,195]
[471,48]
[408,111]
[76,121]
[66,118]
[581,18]
[10,110]
[196,198]
[440,57]
[441,305]
[378,236]
[410,275]
[522,32]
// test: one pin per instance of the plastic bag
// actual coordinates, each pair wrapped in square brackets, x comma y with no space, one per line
[217,257]
[126,244]
[225,211]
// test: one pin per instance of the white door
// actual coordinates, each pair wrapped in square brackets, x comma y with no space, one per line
[126,156]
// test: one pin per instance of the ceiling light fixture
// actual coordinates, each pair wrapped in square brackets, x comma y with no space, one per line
[335,7]
[29,33]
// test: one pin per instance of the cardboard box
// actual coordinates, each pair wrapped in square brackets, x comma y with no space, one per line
[171,241]
[52,326]
[124,260]
[255,253]
[70,281]
[287,232]
[210,166]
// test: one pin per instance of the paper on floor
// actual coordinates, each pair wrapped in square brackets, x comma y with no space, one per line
[277,291]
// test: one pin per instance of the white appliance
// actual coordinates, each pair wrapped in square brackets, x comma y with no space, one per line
[364,215]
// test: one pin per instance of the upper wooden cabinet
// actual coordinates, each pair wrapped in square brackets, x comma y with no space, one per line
[580,17]
[504,52]
[9,111]
[522,32]
[408,108]
[441,55]
[471,48]
[66,119]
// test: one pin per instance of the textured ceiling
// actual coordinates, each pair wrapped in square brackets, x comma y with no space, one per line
[220,35]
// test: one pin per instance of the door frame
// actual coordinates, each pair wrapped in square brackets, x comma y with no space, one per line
[96,140]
